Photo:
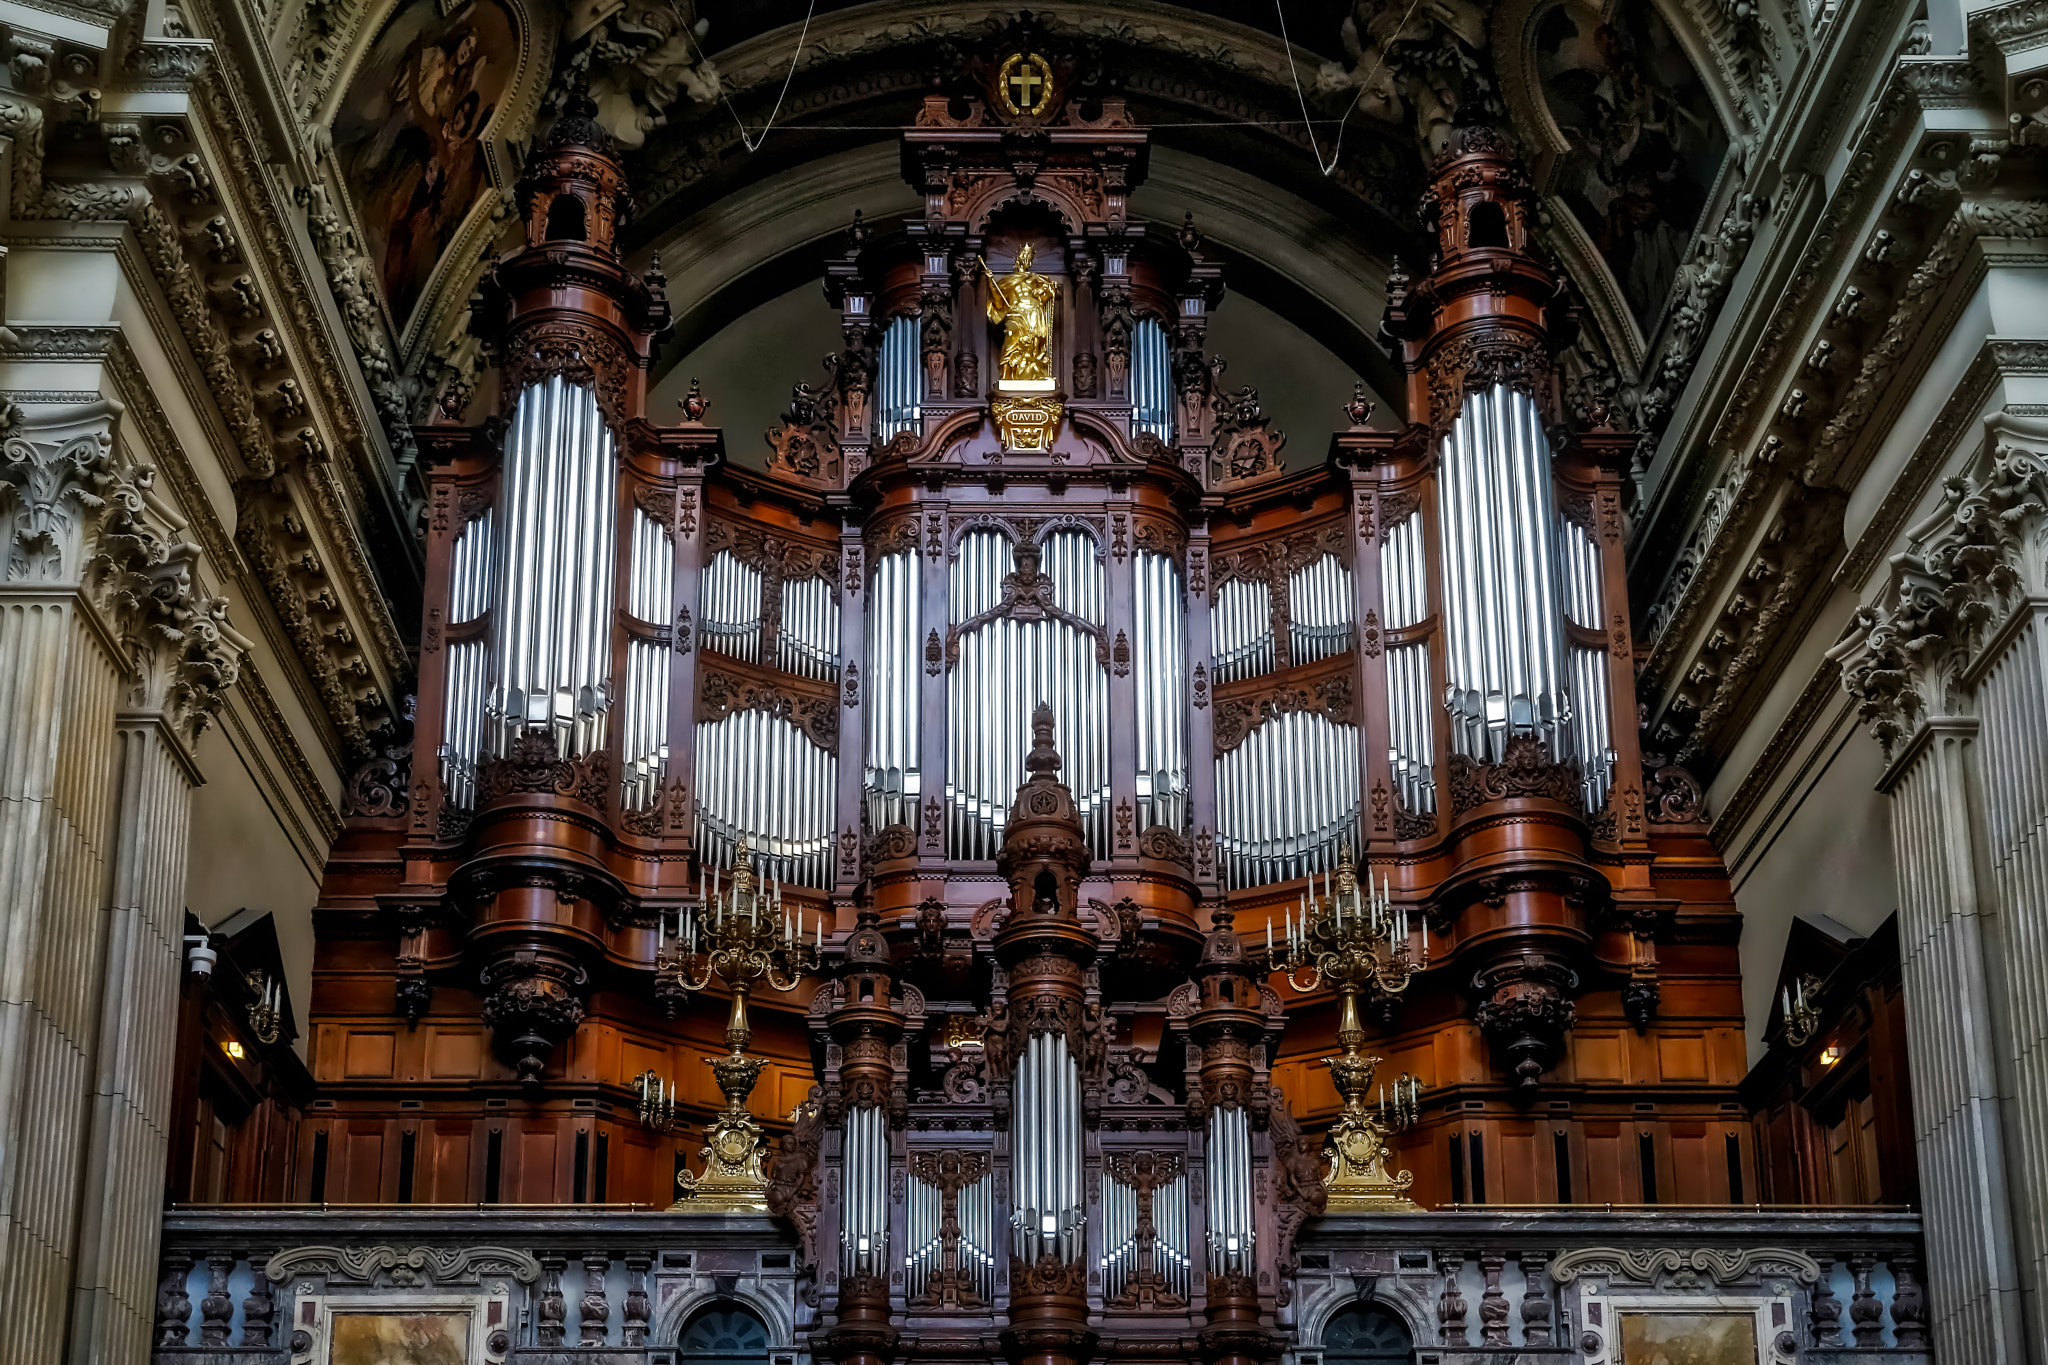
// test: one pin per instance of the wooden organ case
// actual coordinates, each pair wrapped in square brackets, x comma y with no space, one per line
[1054,710]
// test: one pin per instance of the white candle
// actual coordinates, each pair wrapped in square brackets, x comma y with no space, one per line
[1269,938]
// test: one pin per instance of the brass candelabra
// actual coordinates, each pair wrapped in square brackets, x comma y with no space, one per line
[743,936]
[657,1103]
[1801,1014]
[1352,939]
[266,1012]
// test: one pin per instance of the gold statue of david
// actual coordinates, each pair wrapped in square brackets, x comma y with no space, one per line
[1027,405]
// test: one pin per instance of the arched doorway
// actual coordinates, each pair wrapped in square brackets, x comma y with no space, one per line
[1365,1334]
[724,1331]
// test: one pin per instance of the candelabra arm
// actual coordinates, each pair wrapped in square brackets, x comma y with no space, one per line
[1315,978]
[787,978]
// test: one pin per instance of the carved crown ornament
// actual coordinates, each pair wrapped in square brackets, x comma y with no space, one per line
[1237,717]
[1029,594]
[815,713]
[401,1266]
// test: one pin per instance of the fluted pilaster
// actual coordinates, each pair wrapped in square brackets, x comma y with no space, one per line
[1956,631]
[112,659]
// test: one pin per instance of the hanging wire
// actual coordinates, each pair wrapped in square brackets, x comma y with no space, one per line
[753,143]
[1337,147]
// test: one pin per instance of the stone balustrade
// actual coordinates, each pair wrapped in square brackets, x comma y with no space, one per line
[267,1286]
[1508,1286]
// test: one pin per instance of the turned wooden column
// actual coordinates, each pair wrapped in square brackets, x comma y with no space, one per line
[1521,897]
[1046,951]
[1227,1024]
[867,1026]
[536,877]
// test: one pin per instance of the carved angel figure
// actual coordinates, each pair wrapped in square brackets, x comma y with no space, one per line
[793,1185]
[1410,63]
[645,59]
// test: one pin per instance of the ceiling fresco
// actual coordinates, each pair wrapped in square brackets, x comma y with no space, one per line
[410,134]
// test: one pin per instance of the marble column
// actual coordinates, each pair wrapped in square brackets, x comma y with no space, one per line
[112,658]
[1948,670]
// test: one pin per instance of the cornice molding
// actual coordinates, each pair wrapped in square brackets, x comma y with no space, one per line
[1766,506]
[173,460]
[195,184]
[1876,164]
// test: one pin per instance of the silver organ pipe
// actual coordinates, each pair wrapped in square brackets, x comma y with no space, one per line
[1119,1258]
[807,643]
[1160,617]
[1504,606]
[1170,1222]
[761,778]
[731,611]
[1592,711]
[1045,1152]
[1119,1236]
[900,379]
[1151,381]
[1006,668]
[1404,592]
[922,1208]
[1230,1191]
[1319,610]
[552,614]
[1243,630]
[924,1220]
[864,1212]
[644,737]
[890,731]
[1287,799]
[469,594]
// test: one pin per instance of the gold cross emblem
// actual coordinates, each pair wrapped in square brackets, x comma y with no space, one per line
[1025,84]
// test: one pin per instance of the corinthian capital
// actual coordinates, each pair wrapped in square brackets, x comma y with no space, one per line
[59,486]
[186,654]
[1965,568]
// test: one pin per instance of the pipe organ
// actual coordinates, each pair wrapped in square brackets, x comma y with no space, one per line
[1034,686]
